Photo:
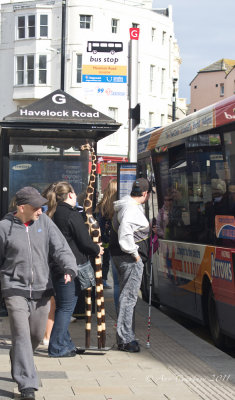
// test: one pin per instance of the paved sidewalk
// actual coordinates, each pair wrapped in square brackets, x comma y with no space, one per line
[177,366]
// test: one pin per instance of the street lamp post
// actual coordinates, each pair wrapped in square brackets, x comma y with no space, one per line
[174,100]
[63,31]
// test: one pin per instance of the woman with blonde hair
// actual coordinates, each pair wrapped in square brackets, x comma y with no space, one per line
[61,208]
[105,211]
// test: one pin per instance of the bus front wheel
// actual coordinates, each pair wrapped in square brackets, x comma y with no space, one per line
[217,336]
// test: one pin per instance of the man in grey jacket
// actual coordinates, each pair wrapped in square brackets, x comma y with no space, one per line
[27,239]
[129,247]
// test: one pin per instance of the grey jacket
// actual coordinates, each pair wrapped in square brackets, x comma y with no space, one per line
[24,253]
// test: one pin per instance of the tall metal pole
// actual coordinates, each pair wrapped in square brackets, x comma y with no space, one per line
[63,30]
[132,92]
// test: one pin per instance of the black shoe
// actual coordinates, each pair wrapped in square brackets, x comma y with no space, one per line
[132,347]
[79,350]
[27,394]
[71,353]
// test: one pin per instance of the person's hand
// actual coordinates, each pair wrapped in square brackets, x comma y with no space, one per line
[67,278]
[137,259]
[101,249]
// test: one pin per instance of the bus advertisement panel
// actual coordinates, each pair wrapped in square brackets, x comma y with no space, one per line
[193,161]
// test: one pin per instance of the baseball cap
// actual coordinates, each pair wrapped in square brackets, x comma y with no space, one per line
[30,195]
[141,185]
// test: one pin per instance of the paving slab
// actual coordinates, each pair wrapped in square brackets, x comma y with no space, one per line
[177,366]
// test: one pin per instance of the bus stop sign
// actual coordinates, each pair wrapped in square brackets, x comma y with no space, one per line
[134,33]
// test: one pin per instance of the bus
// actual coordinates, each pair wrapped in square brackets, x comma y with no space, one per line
[104,47]
[192,163]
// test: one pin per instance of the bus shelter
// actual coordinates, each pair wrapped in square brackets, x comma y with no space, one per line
[41,144]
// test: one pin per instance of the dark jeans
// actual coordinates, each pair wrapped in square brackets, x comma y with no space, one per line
[66,299]
[105,264]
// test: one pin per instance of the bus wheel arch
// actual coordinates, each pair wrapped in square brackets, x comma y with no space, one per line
[213,321]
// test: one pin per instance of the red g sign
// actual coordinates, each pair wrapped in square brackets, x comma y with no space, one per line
[134,33]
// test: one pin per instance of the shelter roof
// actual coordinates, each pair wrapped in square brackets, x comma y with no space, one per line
[60,111]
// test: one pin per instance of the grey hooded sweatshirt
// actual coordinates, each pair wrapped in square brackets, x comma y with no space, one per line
[130,230]
[24,253]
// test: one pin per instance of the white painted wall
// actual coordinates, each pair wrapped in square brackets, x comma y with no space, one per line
[162,56]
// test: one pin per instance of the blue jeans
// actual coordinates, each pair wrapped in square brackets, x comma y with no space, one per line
[66,299]
[130,276]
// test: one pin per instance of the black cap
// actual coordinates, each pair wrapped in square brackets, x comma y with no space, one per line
[30,195]
[141,185]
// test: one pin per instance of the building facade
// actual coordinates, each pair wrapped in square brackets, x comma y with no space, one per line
[212,84]
[93,52]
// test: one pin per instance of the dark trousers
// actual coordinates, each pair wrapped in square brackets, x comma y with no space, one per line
[105,264]
[66,299]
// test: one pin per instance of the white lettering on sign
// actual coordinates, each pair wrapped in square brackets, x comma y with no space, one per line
[20,167]
[134,33]
[59,99]
[84,114]
[62,113]
[221,269]
[229,116]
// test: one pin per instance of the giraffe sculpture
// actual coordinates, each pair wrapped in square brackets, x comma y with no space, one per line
[94,231]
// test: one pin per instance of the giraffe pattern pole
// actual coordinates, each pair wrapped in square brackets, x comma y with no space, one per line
[94,231]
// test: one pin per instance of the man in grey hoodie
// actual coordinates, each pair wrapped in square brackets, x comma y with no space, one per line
[27,238]
[129,248]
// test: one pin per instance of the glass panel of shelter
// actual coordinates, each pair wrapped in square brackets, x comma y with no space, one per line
[38,162]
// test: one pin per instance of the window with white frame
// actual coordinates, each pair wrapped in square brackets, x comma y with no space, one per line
[163,37]
[114,25]
[21,27]
[152,78]
[151,116]
[43,25]
[163,80]
[113,113]
[28,72]
[79,68]
[31,26]
[153,34]
[20,70]
[42,71]
[26,26]
[162,119]
[222,89]
[85,21]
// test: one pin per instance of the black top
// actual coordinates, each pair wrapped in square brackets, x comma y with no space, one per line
[70,222]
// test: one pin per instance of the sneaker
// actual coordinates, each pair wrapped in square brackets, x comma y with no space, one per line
[132,347]
[27,394]
[72,319]
[79,350]
[106,285]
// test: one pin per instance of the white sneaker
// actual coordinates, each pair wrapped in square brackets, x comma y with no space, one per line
[72,319]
